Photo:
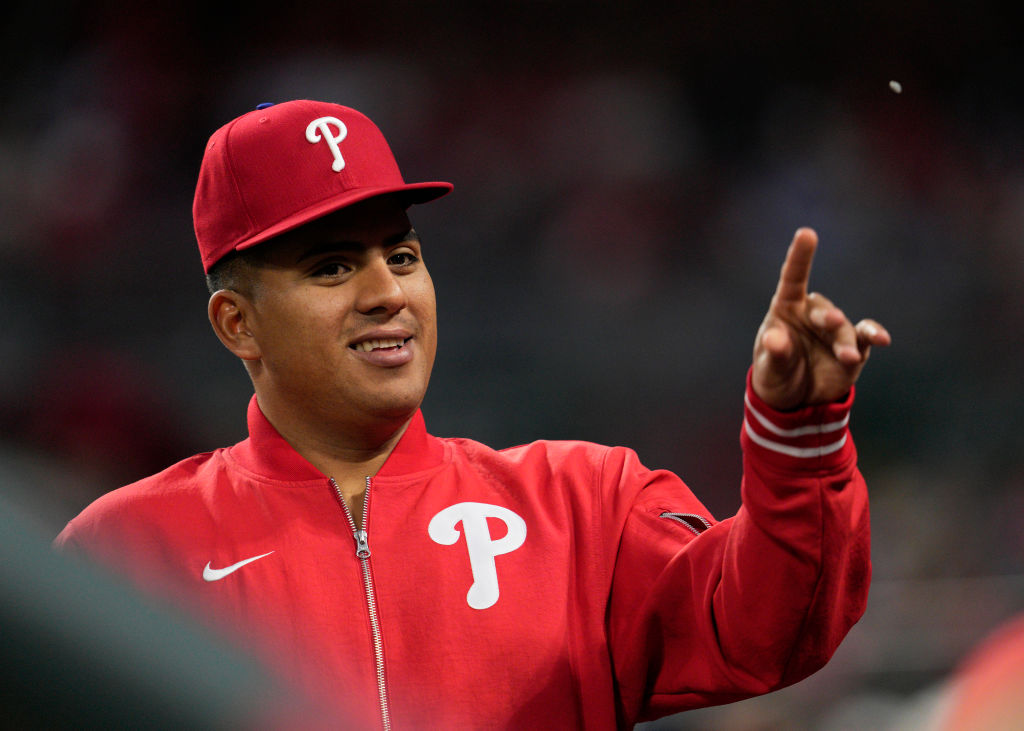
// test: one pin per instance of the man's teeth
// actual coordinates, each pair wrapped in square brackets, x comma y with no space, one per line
[367,345]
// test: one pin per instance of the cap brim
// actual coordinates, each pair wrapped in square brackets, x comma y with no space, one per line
[412,193]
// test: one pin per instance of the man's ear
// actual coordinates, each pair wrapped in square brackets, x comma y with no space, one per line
[229,312]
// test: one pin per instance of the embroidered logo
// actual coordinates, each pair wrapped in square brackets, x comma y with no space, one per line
[320,129]
[211,574]
[482,548]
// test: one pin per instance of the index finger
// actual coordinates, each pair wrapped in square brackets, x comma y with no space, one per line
[796,270]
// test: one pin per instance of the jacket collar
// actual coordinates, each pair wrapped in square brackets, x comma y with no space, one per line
[267,453]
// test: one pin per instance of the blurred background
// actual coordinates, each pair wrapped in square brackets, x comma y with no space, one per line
[627,178]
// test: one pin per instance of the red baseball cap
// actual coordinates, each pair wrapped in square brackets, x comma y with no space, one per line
[283,165]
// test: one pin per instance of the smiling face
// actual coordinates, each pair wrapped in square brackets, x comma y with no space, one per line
[341,319]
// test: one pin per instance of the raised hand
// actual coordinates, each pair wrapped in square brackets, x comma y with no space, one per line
[807,351]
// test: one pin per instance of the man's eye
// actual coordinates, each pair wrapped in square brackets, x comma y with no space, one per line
[403,259]
[332,269]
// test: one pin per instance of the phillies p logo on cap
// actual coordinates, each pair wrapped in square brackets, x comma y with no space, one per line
[320,129]
[283,165]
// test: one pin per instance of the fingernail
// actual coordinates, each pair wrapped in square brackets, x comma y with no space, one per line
[871,330]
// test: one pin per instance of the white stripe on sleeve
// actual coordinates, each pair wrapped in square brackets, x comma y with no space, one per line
[793,451]
[800,431]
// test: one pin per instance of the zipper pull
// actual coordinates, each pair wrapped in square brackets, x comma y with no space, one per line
[362,544]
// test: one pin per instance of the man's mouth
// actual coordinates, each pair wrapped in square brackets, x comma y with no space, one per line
[383,344]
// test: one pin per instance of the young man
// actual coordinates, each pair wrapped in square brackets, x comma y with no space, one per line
[421,582]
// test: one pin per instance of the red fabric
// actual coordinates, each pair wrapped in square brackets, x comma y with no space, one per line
[607,613]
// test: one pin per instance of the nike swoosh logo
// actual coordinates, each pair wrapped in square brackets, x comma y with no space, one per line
[210,574]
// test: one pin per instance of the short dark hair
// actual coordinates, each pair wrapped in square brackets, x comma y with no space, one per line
[236,271]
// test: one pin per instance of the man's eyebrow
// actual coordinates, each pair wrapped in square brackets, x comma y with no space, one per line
[346,246]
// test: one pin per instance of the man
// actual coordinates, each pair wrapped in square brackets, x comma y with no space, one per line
[426,582]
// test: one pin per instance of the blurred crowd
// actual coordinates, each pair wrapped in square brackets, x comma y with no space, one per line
[626,184]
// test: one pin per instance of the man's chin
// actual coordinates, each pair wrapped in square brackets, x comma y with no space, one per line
[393,407]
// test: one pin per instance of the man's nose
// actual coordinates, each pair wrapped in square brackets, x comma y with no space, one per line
[380,291]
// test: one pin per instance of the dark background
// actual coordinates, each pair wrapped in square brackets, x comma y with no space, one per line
[627,178]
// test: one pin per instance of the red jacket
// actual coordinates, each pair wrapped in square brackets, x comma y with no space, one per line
[551,585]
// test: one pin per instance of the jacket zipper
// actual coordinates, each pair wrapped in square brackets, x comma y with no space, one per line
[696,523]
[363,554]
